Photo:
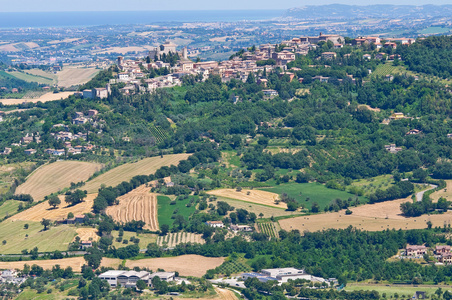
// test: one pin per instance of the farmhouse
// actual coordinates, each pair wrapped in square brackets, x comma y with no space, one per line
[446,258]
[30,151]
[329,55]
[215,224]
[243,228]
[413,131]
[416,250]
[442,249]
[270,93]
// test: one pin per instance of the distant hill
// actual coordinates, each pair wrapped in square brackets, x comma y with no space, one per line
[380,11]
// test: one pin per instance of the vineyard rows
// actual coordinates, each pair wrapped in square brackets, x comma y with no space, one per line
[171,240]
[158,133]
[268,229]
[233,267]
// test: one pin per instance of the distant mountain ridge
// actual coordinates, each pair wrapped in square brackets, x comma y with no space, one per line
[381,11]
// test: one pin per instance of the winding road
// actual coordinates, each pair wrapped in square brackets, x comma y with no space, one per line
[420,195]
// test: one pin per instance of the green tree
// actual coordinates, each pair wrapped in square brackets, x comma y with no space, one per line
[141,285]
[45,223]
[54,201]
[75,197]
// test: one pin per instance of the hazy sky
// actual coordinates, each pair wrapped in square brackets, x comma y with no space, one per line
[134,5]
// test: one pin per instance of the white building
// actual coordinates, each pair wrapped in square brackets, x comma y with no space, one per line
[164,276]
[111,277]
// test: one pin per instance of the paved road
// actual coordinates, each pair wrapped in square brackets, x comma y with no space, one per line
[420,195]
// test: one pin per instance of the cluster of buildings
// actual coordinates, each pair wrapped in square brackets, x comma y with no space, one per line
[388,42]
[283,275]
[11,276]
[232,227]
[442,253]
[129,279]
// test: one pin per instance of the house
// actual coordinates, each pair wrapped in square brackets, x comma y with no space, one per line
[92,112]
[79,121]
[449,135]
[129,279]
[123,76]
[397,116]
[6,151]
[58,152]
[380,56]
[446,258]
[215,224]
[86,244]
[88,94]
[392,148]
[442,249]
[413,131]
[30,151]
[367,56]
[416,250]
[243,228]
[79,218]
[270,93]
[26,139]
[101,93]
[164,276]
[329,55]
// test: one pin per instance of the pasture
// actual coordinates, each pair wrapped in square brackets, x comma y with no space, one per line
[32,78]
[171,240]
[125,172]
[44,210]
[87,234]
[9,208]
[18,238]
[52,178]
[314,191]
[254,196]
[391,289]
[145,239]
[166,210]
[138,205]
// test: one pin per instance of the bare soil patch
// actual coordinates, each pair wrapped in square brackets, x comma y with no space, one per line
[186,265]
[137,205]
[56,176]
[253,196]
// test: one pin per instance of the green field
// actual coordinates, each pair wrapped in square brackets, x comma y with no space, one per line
[9,208]
[434,30]
[13,232]
[390,290]
[56,293]
[32,78]
[314,191]
[145,239]
[166,210]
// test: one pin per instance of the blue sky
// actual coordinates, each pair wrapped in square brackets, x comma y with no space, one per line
[134,5]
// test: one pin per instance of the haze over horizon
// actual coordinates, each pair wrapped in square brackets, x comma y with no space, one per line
[146,5]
